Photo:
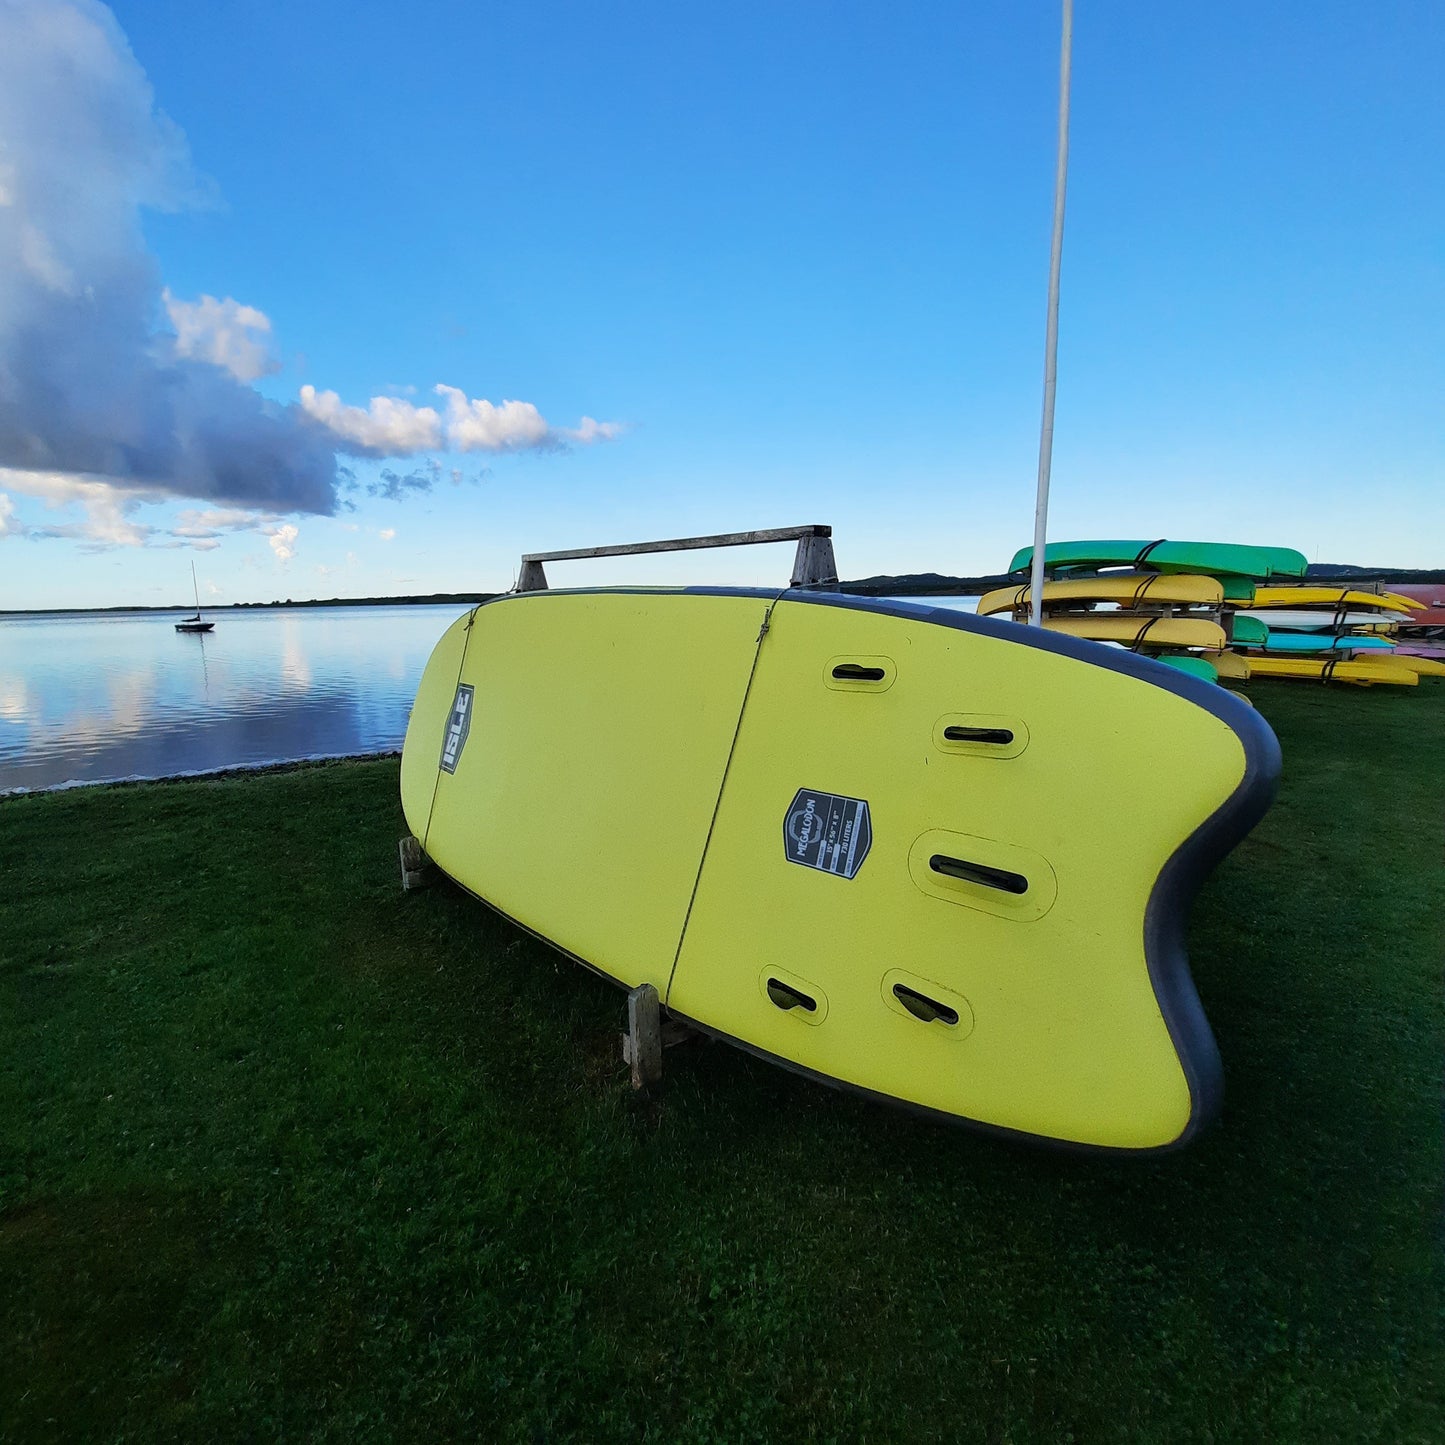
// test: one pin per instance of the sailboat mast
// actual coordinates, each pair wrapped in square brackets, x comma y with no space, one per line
[196,588]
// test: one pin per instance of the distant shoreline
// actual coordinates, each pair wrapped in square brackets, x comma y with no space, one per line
[461,599]
[917,583]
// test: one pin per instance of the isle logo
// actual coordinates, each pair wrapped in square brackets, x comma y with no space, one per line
[459,722]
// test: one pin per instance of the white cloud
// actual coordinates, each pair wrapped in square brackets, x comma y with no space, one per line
[106,508]
[282,541]
[92,388]
[225,333]
[481,426]
[37,256]
[97,385]
[391,427]
[589,430]
[208,523]
[387,533]
[107,514]
[387,427]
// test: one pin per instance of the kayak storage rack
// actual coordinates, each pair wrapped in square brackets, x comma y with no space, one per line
[813,564]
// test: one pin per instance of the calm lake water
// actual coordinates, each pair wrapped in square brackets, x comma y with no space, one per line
[102,697]
[124,695]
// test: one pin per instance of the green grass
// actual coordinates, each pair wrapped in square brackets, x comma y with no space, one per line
[286,1152]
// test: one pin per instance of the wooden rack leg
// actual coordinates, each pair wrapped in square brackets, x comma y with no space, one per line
[648,1034]
[813,564]
[532,578]
[642,1043]
[417,870]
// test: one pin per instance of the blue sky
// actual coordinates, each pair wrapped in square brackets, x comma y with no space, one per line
[741,266]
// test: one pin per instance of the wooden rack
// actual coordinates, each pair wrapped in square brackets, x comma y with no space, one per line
[813,564]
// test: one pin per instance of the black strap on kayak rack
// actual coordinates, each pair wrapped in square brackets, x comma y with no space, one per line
[1143,553]
[1142,589]
[1143,633]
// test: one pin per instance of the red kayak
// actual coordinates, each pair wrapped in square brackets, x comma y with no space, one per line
[1432,594]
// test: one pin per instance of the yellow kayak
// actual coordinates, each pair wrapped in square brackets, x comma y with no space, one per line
[1232,665]
[1333,597]
[1421,666]
[1137,629]
[1363,672]
[1131,589]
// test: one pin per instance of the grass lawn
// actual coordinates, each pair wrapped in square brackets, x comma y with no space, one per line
[287,1152]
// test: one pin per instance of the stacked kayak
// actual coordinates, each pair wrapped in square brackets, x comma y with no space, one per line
[1236,567]
[1174,618]
[1178,602]
[1362,671]
[1220,611]
[1332,634]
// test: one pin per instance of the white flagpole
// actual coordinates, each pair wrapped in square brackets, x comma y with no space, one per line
[1051,340]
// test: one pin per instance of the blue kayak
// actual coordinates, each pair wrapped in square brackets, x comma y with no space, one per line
[1324,642]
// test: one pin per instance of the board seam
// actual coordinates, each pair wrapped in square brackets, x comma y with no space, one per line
[436,781]
[722,787]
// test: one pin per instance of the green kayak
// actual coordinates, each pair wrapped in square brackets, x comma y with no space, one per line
[1194,666]
[1212,558]
[1247,631]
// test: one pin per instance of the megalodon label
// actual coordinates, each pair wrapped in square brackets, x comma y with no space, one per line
[827,832]
[459,722]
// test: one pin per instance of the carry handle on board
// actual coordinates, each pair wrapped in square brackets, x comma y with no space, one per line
[981,873]
[787,997]
[929,1010]
[858,672]
[1001,736]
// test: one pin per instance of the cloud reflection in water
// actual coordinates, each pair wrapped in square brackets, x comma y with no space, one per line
[92,698]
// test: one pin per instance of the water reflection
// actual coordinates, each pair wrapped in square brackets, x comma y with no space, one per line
[95,698]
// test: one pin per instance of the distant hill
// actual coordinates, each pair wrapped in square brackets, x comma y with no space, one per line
[930,584]
[924,584]
[458,599]
[1375,574]
[462,599]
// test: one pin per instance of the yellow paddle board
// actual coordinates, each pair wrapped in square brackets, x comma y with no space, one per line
[942,860]
[1361,671]
[1137,629]
[1132,589]
[1332,597]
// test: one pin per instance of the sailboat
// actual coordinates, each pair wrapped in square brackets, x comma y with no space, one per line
[196,623]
